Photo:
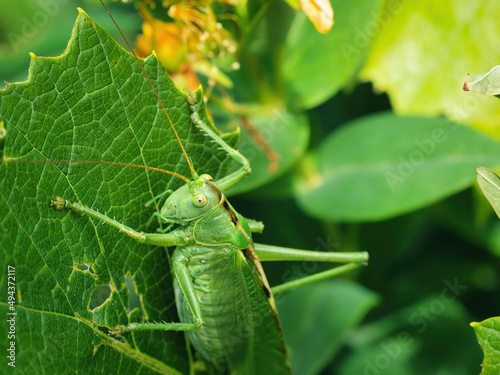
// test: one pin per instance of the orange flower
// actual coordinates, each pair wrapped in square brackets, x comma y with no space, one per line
[165,39]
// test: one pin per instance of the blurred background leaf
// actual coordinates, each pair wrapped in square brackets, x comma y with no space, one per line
[316,66]
[429,159]
[421,53]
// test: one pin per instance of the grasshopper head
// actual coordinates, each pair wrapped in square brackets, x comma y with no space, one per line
[192,200]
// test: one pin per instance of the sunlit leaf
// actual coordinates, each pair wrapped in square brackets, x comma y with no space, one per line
[488,335]
[425,50]
[486,83]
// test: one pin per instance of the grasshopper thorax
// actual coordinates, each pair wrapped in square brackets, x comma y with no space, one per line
[192,200]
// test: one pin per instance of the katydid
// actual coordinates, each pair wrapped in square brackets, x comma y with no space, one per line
[223,298]
[222,295]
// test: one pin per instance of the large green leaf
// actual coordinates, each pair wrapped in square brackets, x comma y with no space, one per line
[406,163]
[92,103]
[424,52]
[488,335]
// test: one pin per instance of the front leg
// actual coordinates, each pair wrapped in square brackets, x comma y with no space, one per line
[235,177]
[174,238]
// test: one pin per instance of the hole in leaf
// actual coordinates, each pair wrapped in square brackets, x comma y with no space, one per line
[134,299]
[103,329]
[99,296]
[85,267]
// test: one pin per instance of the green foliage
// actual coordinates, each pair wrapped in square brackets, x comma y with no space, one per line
[338,305]
[287,135]
[382,181]
[488,334]
[338,146]
[316,66]
[489,182]
[424,51]
[92,103]
[404,342]
[488,331]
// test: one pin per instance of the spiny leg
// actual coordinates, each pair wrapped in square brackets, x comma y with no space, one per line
[179,268]
[273,253]
[186,284]
[235,177]
[174,238]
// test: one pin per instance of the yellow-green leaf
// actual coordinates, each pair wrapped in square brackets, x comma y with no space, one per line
[488,335]
[425,50]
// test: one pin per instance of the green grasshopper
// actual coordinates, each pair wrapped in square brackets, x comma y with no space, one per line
[219,282]
[222,295]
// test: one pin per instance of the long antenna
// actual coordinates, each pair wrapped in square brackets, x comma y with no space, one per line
[151,84]
[13,160]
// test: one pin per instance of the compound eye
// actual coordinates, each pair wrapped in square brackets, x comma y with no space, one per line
[200,200]
[206,177]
